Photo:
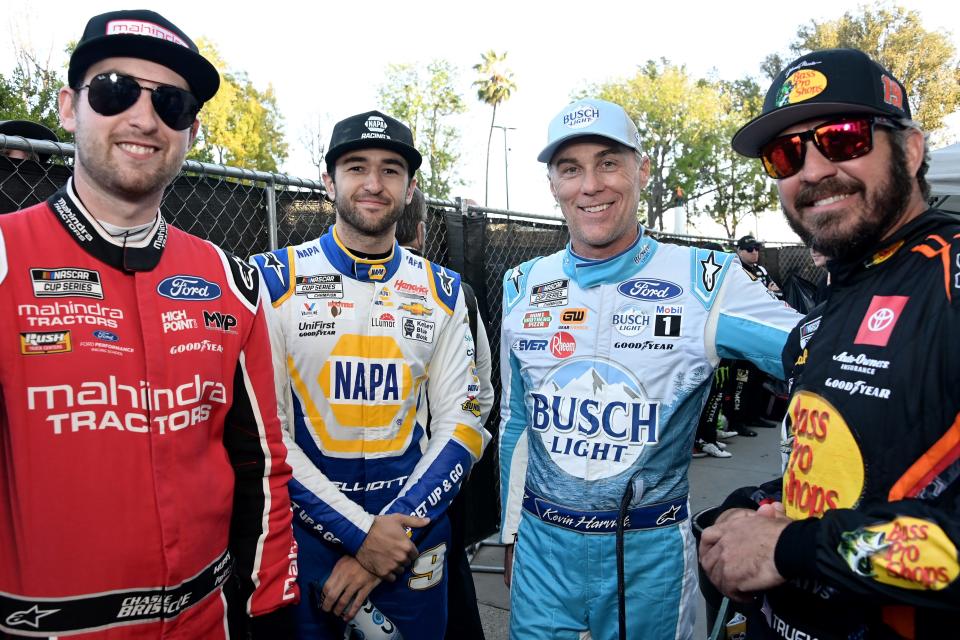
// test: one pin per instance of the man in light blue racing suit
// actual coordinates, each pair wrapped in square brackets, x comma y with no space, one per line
[367,339]
[607,353]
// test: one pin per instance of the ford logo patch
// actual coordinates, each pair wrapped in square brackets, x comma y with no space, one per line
[649,289]
[106,336]
[188,288]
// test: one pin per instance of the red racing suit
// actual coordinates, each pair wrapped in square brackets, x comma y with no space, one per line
[141,459]
[872,477]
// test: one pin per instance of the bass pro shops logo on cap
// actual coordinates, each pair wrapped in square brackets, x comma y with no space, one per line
[581,116]
[801,85]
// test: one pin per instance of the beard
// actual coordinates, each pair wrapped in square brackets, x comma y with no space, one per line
[882,209]
[370,226]
[126,183]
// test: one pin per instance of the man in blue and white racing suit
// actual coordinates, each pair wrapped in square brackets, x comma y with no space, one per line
[607,353]
[366,338]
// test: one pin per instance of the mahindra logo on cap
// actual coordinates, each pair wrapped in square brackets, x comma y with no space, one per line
[376,124]
[143,28]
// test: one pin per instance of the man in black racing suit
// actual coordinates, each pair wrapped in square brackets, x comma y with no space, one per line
[859,538]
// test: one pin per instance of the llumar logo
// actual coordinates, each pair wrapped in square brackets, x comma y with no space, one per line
[137,407]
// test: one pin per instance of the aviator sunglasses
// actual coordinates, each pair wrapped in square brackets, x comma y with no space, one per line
[113,93]
[837,140]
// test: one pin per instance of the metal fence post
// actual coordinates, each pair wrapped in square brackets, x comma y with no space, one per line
[271,195]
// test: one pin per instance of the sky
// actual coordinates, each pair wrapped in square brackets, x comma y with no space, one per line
[326,60]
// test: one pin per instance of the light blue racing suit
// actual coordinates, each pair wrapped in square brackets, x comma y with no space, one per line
[606,366]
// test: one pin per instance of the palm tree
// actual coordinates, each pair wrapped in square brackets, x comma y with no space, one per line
[493,87]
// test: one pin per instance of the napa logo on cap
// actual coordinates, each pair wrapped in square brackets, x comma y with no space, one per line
[376,124]
[580,116]
[801,85]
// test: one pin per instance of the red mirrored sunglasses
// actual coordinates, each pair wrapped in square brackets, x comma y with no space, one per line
[837,140]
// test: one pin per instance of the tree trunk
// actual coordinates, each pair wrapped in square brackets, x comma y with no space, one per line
[486,178]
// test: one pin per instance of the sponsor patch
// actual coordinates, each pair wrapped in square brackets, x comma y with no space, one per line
[417,329]
[65,282]
[45,342]
[549,294]
[177,320]
[386,320]
[807,329]
[581,116]
[708,272]
[321,285]
[106,336]
[472,405]
[218,321]
[411,290]
[416,309]
[515,276]
[188,288]
[573,316]
[630,320]
[313,328]
[377,272]
[340,309]
[562,345]
[524,344]
[801,85]
[537,319]
[667,321]
[195,347]
[644,345]
[650,290]
[880,319]
[308,309]
[860,363]
[57,315]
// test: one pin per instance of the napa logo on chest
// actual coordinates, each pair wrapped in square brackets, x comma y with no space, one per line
[594,417]
[366,380]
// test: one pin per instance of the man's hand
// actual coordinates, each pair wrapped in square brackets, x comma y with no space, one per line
[737,553]
[387,550]
[347,588]
[507,564]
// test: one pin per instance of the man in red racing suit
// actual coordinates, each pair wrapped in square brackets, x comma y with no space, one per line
[141,459]
[859,539]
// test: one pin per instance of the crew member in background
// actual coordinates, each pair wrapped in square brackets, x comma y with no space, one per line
[141,459]
[368,340]
[30,131]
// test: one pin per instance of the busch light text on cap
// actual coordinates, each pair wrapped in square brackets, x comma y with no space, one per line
[580,116]
[590,117]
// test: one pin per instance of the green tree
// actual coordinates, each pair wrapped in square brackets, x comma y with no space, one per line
[29,92]
[495,85]
[730,186]
[676,115]
[925,61]
[424,98]
[241,126]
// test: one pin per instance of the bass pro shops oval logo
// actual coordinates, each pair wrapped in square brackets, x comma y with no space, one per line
[188,288]
[650,290]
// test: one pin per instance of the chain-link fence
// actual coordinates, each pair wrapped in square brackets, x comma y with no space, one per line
[248,212]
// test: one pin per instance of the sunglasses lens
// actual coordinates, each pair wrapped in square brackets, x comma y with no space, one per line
[176,107]
[783,157]
[111,93]
[845,140]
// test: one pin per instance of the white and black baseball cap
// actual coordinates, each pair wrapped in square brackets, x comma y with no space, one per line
[144,34]
[372,130]
[590,117]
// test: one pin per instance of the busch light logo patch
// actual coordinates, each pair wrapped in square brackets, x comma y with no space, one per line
[188,288]
[630,320]
[649,289]
[582,115]
[593,417]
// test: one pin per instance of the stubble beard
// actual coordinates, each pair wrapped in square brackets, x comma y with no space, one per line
[128,184]
[367,226]
[883,210]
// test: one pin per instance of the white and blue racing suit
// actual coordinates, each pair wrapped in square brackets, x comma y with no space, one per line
[362,349]
[606,366]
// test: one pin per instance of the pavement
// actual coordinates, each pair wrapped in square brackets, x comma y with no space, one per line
[754,461]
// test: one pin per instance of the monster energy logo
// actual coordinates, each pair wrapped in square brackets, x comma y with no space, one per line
[721,375]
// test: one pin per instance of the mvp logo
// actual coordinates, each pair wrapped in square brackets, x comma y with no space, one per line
[219,321]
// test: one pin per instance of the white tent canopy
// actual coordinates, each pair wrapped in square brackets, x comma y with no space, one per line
[944,178]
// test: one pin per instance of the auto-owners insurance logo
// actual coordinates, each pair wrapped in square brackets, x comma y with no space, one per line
[188,288]
[649,289]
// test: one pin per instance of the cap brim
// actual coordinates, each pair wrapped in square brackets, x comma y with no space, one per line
[752,136]
[411,155]
[27,129]
[201,76]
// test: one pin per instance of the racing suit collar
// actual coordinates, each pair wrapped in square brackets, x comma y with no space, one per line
[80,225]
[844,269]
[590,273]
[354,266]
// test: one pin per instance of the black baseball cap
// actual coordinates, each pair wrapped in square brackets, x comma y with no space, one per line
[748,243]
[372,130]
[831,82]
[144,34]
[30,130]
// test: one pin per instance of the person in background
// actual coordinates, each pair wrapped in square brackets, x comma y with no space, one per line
[30,131]
[145,486]
[463,615]
[859,539]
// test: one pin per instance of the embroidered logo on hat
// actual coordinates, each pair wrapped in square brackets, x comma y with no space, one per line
[801,85]
[143,28]
[581,116]
[376,124]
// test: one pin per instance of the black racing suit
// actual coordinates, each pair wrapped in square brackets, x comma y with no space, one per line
[872,479]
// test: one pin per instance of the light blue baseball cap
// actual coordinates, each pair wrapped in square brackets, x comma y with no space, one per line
[590,117]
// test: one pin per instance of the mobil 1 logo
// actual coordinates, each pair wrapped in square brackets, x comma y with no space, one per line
[667,321]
